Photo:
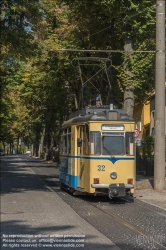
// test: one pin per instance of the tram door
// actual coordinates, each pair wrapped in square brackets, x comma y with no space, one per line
[83,153]
[80,159]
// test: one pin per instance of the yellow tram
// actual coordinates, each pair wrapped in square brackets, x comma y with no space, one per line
[96,153]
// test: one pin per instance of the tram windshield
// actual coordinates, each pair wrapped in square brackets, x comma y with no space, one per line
[113,143]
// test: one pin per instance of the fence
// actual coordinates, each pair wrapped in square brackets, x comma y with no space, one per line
[145,157]
[144,166]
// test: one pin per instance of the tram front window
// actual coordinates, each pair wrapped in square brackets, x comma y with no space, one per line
[113,143]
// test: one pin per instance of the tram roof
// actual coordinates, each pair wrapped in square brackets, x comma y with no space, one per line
[91,110]
[102,113]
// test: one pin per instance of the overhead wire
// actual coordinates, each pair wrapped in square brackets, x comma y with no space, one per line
[106,51]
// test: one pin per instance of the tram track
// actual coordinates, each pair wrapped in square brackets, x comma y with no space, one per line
[149,207]
[97,211]
[134,228]
[156,242]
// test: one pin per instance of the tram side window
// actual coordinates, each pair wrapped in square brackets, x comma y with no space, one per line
[62,144]
[95,143]
[69,143]
[65,143]
[86,140]
[129,143]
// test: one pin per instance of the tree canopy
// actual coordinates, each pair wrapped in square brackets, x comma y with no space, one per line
[41,83]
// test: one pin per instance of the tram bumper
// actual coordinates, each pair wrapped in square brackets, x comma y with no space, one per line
[113,190]
[116,190]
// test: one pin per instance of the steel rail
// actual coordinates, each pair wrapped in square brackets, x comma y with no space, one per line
[140,231]
[121,221]
[150,209]
[134,228]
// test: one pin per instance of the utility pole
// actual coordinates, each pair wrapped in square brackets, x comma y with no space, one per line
[159,152]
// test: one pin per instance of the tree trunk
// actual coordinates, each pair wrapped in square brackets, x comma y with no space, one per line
[129,90]
[129,101]
[41,147]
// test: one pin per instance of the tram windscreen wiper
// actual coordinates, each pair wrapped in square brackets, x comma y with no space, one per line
[113,145]
[106,150]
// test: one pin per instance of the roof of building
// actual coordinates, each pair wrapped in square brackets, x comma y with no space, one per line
[152,94]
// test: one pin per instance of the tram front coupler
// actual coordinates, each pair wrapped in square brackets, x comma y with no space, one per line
[116,190]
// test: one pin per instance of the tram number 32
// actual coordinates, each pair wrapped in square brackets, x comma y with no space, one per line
[101,168]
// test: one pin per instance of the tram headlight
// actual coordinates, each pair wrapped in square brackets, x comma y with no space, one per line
[113,175]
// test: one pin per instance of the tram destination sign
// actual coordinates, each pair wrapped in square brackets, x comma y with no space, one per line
[112,127]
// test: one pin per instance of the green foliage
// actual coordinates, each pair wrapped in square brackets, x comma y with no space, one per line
[109,24]
[39,83]
[139,74]
[148,149]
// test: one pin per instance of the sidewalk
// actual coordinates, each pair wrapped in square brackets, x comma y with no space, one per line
[145,192]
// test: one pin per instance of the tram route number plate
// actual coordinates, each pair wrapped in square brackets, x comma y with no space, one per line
[101,168]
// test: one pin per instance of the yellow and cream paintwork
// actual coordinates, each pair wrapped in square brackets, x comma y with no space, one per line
[83,168]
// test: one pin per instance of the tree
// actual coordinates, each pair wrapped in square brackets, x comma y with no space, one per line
[131,21]
[17,42]
[40,84]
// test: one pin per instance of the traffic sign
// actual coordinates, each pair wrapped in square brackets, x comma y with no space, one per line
[136,132]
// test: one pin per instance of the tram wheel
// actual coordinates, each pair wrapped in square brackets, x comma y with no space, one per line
[71,190]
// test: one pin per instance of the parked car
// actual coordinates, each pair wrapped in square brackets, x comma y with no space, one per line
[28,152]
[2,153]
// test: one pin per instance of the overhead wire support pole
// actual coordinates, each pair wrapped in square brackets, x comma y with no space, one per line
[159,149]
